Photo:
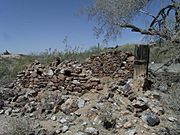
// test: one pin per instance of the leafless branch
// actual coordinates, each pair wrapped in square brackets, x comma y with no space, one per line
[145,12]
[143,31]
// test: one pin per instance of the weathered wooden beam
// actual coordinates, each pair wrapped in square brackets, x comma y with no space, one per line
[141,61]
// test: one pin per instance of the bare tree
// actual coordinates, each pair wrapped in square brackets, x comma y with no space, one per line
[114,15]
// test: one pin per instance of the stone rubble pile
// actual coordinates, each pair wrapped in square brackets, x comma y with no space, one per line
[70,98]
[112,63]
[72,76]
[65,76]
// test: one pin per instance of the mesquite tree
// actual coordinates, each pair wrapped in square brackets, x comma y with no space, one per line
[114,15]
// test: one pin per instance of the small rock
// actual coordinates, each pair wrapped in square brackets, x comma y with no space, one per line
[84,123]
[69,106]
[52,133]
[31,93]
[100,87]
[8,111]
[158,110]
[11,85]
[172,119]
[1,104]
[21,99]
[164,131]
[63,120]
[163,88]
[69,133]
[51,84]
[54,118]
[127,125]
[132,97]
[152,94]
[56,109]
[150,119]
[124,113]
[31,115]
[65,128]
[131,132]
[2,111]
[16,111]
[121,121]
[128,86]
[58,131]
[156,95]
[42,132]
[130,59]
[29,108]
[78,89]
[36,126]
[93,79]
[142,104]
[78,114]
[156,107]
[36,62]
[76,82]
[34,74]
[50,72]
[81,103]
[79,133]
[119,125]
[92,131]
[97,120]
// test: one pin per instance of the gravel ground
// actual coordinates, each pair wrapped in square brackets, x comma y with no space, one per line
[4,125]
[14,126]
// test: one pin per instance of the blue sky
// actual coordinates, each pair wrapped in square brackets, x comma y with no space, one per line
[28,26]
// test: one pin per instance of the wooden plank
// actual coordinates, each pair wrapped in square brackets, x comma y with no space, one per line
[141,61]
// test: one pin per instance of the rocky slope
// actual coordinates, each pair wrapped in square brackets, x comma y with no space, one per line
[97,97]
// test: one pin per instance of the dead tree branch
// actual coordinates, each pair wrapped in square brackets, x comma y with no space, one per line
[151,32]
[147,13]
[158,25]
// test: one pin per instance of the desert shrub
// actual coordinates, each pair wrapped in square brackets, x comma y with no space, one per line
[107,117]
[159,53]
[80,56]
[165,51]
[9,68]
[127,48]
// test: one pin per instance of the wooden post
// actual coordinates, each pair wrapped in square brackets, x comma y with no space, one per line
[98,45]
[141,61]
